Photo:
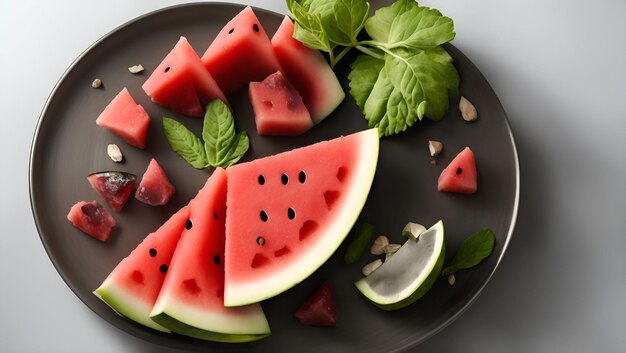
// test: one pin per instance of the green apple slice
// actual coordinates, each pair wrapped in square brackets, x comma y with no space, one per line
[409,274]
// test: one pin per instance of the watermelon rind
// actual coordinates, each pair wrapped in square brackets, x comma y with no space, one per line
[232,325]
[409,273]
[364,170]
[127,305]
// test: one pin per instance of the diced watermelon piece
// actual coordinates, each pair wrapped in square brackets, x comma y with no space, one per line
[319,309]
[278,107]
[155,188]
[288,213]
[132,287]
[191,301]
[240,53]
[181,83]
[460,175]
[309,72]
[114,187]
[92,218]
[124,117]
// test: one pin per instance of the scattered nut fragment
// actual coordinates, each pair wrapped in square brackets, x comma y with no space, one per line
[467,109]
[135,69]
[378,248]
[413,230]
[390,250]
[451,279]
[434,147]
[115,153]
[97,83]
[371,267]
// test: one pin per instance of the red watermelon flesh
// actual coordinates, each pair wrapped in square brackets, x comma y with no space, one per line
[288,213]
[278,107]
[124,117]
[319,309]
[460,175]
[155,188]
[92,218]
[191,301]
[240,53]
[132,287]
[181,83]
[114,187]
[308,71]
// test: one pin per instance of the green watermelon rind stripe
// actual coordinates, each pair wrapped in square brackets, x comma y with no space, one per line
[237,294]
[243,324]
[127,305]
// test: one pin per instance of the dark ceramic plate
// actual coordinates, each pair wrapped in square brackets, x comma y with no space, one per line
[68,146]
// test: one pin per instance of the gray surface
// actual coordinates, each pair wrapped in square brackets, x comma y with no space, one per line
[559,71]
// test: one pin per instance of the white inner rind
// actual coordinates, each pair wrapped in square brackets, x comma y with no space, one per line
[127,304]
[333,235]
[406,270]
[248,320]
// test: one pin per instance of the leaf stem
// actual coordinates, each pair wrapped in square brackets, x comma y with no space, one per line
[369,52]
[339,56]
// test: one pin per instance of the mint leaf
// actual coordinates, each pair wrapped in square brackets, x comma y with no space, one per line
[185,143]
[363,75]
[347,20]
[474,249]
[223,147]
[408,25]
[362,238]
[308,26]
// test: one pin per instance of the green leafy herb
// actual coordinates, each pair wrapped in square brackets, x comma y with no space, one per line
[220,145]
[185,143]
[359,244]
[403,74]
[474,249]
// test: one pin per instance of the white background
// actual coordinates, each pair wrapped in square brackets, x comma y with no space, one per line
[559,68]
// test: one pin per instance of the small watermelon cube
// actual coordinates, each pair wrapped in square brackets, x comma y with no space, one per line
[155,188]
[92,218]
[319,309]
[124,117]
[240,53]
[278,107]
[181,83]
[460,175]
[114,187]
[308,71]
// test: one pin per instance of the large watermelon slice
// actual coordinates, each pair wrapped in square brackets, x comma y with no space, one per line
[181,82]
[288,213]
[308,71]
[240,53]
[278,107]
[191,301]
[460,175]
[133,286]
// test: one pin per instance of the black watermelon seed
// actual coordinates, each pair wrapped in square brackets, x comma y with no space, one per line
[459,170]
[231,31]
[188,224]
[291,213]
[163,269]
[255,27]
[263,216]
[261,179]
[153,252]
[167,69]
[215,215]
[284,179]
[302,177]
[216,259]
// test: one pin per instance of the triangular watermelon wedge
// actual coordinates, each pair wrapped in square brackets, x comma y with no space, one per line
[288,213]
[191,301]
[460,175]
[132,287]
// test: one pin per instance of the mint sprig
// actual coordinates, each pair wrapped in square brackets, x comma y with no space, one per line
[220,145]
[474,249]
[403,74]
